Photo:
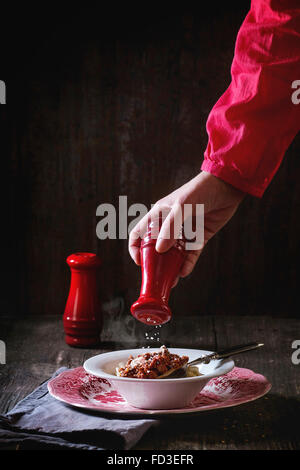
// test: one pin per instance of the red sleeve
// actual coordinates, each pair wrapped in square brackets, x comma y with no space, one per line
[256,119]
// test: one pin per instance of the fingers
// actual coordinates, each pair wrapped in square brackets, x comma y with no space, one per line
[135,242]
[136,235]
[188,265]
[189,262]
[168,234]
[134,250]
[170,230]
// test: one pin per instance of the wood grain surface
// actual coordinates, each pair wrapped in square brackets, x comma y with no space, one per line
[36,349]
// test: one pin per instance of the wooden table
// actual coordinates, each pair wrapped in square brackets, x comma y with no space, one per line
[35,348]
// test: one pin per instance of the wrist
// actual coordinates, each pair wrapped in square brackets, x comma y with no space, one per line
[221,186]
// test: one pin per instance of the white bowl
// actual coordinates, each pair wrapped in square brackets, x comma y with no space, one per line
[156,394]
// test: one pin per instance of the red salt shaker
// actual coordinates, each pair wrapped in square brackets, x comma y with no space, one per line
[82,318]
[159,271]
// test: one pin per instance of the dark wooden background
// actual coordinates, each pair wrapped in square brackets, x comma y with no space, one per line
[107,102]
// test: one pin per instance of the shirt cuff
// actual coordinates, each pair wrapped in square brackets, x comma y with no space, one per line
[231,176]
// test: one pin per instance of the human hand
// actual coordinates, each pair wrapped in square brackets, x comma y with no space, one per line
[220,200]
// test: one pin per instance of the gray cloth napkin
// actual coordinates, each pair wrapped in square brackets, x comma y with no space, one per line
[39,420]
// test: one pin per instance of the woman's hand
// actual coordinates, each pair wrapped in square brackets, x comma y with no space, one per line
[220,200]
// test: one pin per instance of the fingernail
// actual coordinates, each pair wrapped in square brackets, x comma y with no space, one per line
[158,244]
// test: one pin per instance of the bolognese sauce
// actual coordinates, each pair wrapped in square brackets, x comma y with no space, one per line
[151,365]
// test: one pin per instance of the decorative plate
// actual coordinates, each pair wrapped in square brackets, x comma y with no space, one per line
[77,388]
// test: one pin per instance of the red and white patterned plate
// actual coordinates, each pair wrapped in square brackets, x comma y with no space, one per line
[77,388]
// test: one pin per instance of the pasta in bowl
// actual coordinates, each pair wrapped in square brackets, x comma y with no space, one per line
[152,365]
[136,375]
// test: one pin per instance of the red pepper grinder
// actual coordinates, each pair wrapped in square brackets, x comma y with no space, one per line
[82,318]
[159,271]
